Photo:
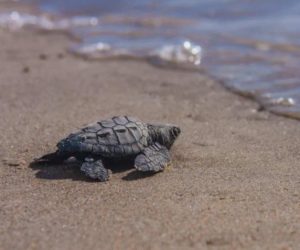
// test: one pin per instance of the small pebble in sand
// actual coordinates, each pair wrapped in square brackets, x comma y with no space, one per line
[60,55]
[216,242]
[260,108]
[43,56]
[14,163]
[10,163]
[26,69]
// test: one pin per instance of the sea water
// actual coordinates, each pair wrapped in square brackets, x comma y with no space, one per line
[252,47]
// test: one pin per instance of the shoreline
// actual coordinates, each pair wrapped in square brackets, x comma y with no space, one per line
[281,106]
[234,182]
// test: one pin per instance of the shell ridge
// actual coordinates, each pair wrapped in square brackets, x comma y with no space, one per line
[132,134]
[115,133]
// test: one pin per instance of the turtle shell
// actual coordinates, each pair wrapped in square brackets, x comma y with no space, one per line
[116,137]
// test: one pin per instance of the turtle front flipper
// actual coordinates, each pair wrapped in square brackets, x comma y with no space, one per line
[152,159]
[95,169]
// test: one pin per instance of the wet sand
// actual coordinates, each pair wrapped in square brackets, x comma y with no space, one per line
[234,182]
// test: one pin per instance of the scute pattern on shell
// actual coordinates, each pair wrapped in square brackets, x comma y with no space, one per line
[116,137]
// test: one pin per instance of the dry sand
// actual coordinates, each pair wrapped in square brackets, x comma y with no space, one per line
[234,182]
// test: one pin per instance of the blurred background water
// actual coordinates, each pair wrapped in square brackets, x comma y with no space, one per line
[251,46]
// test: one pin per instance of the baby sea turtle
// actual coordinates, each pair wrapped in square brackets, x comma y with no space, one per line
[120,137]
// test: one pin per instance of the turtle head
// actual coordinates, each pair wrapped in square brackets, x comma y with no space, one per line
[165,134]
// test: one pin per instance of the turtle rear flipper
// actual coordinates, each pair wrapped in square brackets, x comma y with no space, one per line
[95,169]
[153,159]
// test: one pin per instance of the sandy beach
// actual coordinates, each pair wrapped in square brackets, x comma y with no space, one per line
[233,184]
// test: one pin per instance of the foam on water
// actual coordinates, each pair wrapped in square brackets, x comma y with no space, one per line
[253,47]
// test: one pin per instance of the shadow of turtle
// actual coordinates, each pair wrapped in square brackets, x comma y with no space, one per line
[70,169]
[122,165]
[136,175]
[58,171]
